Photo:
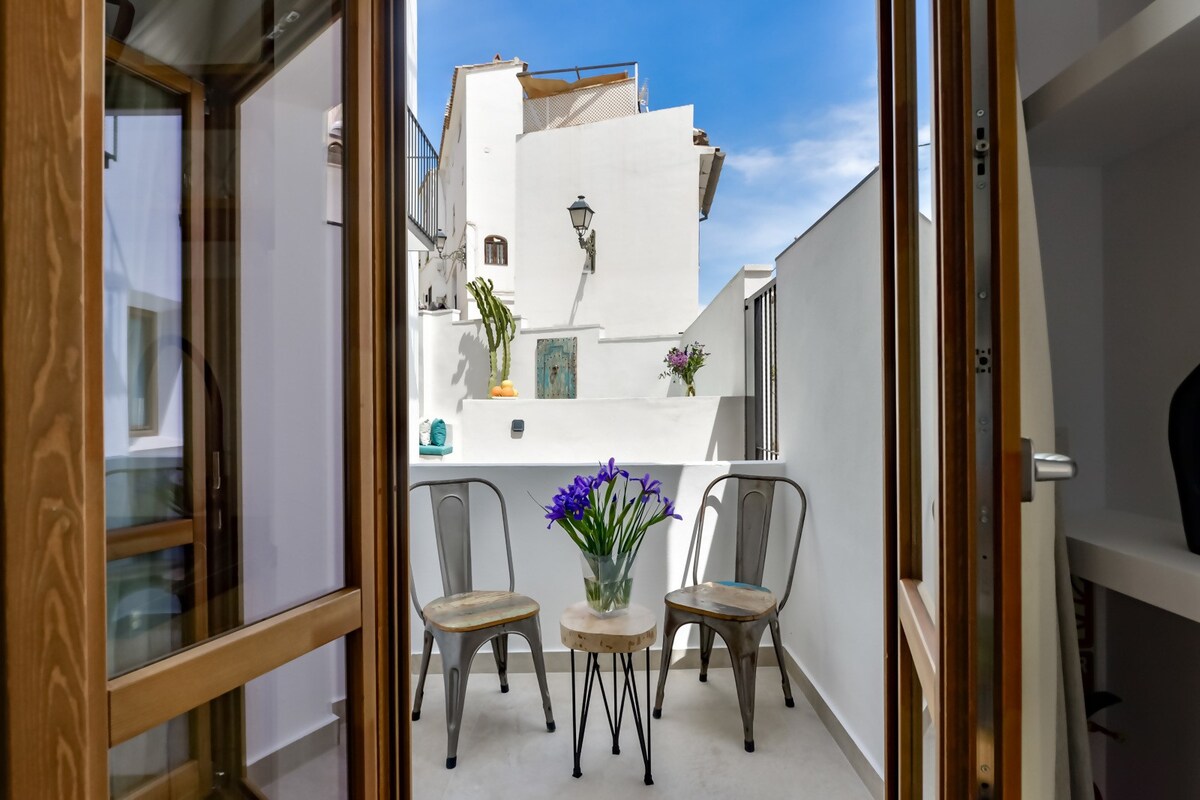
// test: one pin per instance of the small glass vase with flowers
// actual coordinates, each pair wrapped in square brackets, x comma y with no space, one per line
[607,516]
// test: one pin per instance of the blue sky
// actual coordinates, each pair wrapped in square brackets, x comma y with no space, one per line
[785,88]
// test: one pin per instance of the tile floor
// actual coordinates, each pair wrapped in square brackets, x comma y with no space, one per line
[505,751]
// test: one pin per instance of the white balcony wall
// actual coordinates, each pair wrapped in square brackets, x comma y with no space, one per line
[831,435]
[640,175]
[663,429]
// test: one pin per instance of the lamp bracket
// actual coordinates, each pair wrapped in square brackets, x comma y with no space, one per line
[588,244]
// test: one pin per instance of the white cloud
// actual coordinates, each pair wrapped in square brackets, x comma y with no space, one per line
[769,195]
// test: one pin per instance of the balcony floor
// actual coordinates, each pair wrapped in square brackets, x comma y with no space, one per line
[505,751]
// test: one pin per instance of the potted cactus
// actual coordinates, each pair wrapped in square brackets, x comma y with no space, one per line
[500,329]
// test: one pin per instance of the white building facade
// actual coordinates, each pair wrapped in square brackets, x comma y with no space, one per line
[516,150]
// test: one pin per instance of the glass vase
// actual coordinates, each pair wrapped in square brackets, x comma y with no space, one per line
[607,582]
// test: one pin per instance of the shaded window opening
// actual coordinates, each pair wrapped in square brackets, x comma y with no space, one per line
[495,251]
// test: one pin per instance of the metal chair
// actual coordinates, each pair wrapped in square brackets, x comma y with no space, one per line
[463,620]
[739,610]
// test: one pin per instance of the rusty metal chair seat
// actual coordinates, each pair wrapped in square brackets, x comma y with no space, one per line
[729,600]
[473,611]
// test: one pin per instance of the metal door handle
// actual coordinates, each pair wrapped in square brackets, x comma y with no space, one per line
[1039,467]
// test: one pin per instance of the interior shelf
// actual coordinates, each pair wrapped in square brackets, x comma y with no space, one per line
[1142,557]
[1139,84]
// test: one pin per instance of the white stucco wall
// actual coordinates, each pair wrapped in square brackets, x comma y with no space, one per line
[546,562]
[477,179]
[721,328]
[454,363]
[493,122]
[662,429]
[640,175]
[831,434]
[291,382]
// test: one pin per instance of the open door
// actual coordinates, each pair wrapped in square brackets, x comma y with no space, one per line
[949,149]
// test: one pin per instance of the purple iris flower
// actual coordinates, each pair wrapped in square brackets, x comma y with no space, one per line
[670,508]
[649,485]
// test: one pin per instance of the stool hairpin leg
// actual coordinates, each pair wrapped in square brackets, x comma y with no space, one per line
[574,718]
[649,779]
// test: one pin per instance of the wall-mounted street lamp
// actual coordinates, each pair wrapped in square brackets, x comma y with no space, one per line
[459,254]
[581,219]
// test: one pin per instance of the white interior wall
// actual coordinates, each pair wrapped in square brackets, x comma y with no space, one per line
[1050,36]
[721,328]
[831,433]
[1152,328]
[1112,14]
[1069,215]
[1148,655]
[640,175]
[291,336]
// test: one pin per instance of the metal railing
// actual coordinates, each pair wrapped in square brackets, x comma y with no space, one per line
[422,180]
[762,405]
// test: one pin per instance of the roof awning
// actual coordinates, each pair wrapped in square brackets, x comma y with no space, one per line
[711,161]
[549,87]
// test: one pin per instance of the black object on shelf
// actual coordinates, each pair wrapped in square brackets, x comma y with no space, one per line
[1183,434]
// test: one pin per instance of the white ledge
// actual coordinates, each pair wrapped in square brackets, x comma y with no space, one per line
[1142,557]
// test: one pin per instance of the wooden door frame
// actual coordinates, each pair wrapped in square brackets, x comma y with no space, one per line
[55,719]
[978,523]
[51,134]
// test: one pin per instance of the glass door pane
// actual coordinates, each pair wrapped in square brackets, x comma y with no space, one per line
[224,331]
[928,349]
[225,346]
[293,744]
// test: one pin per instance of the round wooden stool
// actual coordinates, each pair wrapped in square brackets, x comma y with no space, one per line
[621,636]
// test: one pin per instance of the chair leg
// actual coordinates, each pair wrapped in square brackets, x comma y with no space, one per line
[425,653]
[706,644]
[531,629]
[787,684]
[500,652]
[743,654]
[670,627]
[456,669]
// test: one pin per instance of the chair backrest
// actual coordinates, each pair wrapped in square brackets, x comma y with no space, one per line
[755,501]
[452,529]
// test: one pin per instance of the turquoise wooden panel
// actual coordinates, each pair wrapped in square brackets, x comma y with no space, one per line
[556,369]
